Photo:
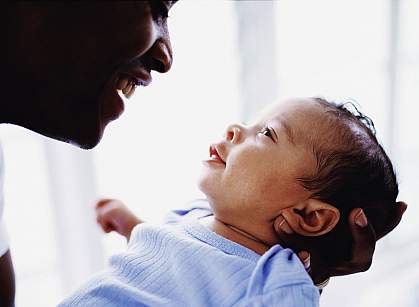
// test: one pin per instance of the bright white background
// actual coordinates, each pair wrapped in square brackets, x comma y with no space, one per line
[150,158]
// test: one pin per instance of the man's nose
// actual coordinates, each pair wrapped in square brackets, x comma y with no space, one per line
[234,133]
[161,55]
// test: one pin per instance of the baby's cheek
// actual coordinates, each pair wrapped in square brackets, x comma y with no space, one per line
[269,186]
[254,181]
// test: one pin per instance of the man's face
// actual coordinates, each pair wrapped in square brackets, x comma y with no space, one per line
[253,173]
[66,62]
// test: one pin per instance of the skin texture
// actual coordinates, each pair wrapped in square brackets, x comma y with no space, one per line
[258,183]
[62,64]
[248,225]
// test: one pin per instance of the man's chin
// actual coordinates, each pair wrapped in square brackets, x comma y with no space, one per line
[84,139]
[82,143]
[87,141]
[85,144]
[87,136]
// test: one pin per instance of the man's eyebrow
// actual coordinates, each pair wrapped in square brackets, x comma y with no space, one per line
[172,2]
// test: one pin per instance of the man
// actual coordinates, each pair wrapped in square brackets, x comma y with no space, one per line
[64,63]
[65,68]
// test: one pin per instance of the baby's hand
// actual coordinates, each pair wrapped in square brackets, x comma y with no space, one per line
[113,215]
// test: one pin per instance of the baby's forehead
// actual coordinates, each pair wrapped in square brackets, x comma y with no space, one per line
[305,120]
[298,113]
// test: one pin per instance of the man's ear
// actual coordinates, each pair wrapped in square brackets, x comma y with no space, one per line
[310,218]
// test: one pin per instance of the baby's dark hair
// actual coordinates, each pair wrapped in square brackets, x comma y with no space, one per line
[352,171]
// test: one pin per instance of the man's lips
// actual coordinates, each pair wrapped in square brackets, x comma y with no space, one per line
[128,81]
[131,74]
[139,75]
[120,87]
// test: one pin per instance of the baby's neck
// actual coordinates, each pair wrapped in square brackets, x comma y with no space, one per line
[234,234]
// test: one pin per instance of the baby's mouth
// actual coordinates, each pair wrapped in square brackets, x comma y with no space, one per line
[214,154]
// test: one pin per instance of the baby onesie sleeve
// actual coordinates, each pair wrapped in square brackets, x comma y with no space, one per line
[280,279]
[196,208]
[291,296]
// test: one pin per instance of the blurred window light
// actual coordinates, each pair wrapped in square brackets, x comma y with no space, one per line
[28,215]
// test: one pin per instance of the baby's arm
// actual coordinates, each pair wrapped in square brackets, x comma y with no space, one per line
[113,215]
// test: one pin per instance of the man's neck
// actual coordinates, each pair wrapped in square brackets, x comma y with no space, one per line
[234,234]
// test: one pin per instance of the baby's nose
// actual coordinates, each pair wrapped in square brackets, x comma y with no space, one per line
[234,133]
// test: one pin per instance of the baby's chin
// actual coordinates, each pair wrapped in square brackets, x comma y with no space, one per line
[205,185]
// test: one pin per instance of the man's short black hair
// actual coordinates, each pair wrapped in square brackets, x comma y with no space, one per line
[352,171]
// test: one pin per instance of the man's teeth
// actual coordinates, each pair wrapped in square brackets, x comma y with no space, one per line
[126,85]
[128,88]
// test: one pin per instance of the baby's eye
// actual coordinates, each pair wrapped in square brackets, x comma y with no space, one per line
[267,132]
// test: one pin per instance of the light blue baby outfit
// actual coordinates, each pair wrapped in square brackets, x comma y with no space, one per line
[182,263]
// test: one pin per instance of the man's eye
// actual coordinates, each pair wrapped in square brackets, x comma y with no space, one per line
[267,132]
[159,9]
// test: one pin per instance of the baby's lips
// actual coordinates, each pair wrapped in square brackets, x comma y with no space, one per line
[214,150]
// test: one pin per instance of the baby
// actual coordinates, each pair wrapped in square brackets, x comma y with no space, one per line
[306,162]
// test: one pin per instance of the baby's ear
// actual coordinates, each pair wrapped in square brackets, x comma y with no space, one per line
[310,218]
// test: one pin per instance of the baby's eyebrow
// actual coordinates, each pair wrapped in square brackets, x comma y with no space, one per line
[287,129]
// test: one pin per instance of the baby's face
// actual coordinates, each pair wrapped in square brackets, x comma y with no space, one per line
[252,173]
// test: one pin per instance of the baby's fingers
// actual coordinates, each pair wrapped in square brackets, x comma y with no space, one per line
[106,226]
[104,222]
[101,203]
